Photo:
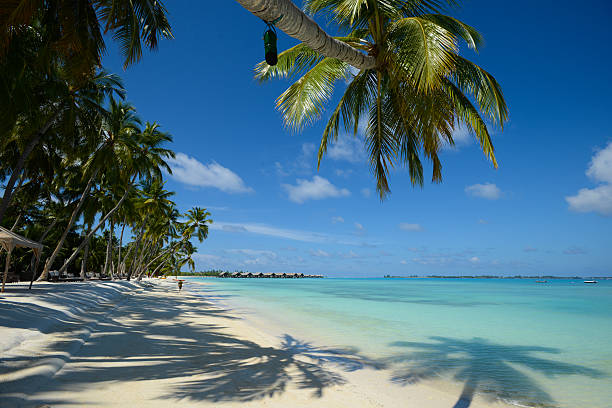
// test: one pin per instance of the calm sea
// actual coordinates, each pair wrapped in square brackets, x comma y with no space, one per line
[527,343]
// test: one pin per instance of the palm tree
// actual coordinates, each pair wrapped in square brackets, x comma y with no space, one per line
[196,224]
[58,108]
[417,93]
[74,31]
[133,155]
[290,19]
[154,204]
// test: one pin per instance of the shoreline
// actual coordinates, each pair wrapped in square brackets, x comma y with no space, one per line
[145,344]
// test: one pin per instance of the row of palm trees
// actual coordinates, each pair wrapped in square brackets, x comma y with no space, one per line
[81,171]
[106,177]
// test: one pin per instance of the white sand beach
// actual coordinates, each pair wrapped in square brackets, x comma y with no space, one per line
[110,344]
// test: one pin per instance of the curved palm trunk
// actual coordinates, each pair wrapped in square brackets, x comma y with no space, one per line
[73,218]
[295,23]
[118,271]
[8,190]
[159,267]
[123,265]
[138,241]
[164,252]
[93,231]
[108,248]
[85,255]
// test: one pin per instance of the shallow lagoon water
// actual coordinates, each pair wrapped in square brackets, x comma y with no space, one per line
[526,343]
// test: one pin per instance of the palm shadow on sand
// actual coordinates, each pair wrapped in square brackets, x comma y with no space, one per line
[203,361]
[495,371]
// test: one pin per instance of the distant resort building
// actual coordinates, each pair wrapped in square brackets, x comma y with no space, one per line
[262,275]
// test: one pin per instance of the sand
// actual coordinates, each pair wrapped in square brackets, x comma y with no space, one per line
[114,344]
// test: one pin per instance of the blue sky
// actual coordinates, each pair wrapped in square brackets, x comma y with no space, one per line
[546,210]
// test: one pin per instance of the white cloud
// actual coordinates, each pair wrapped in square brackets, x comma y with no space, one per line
[189,170]
[403,262]
[319,253]
[600,168]
[207,259]
[263,229]
[575,250]
[337,219]
[253,252]
[347,148]
[482,221]
[343,173]
[474,259]
[316,189]
[488,191]
[359,226]
[598,199]
[462,136]
[410,227]
[366,192]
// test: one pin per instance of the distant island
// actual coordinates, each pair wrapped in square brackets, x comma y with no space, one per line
[242,274]
[494,277]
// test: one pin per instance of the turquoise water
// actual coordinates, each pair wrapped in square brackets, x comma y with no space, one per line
[526,343]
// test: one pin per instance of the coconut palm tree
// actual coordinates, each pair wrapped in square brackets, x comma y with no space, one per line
[74,31]
[135,155]
[59,109]
[417,93]
[294,22]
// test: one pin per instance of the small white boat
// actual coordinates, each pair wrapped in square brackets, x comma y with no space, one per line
[590,281]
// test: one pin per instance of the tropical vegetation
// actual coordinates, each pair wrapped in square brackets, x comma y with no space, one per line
[81,172]
[418,91]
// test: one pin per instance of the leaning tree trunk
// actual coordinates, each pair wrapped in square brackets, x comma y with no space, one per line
[167,250]
[295,23]
[8,189]
[119,249]
[145,248]
[73,218]
[123,265]
[85,255]
[108,248]
[138,241]
[93,231]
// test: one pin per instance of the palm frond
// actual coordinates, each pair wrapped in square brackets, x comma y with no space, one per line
[292,62]
[424,52]
[475,81]
[303,102]
[356,99]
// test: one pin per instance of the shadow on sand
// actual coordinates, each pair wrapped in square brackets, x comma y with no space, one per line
[495,371]
[148,338]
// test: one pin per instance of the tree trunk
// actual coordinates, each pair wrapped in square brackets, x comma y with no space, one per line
[162,263]
[85,255]
[140,235]
[167,250]
[93,231]
[8,190]
[123,266]
[119,249]
[73,218]
[16,222]
[8,263]
[34,266]
[108,247]
[295,23]
[145,248]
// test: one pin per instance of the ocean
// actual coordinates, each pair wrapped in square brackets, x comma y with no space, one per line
[525,343]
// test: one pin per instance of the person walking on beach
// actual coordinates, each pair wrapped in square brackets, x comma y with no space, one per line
[180,285]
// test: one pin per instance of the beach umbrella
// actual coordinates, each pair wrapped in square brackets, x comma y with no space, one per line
[9,241]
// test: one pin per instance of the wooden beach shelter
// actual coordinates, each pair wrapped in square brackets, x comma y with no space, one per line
[9,241]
